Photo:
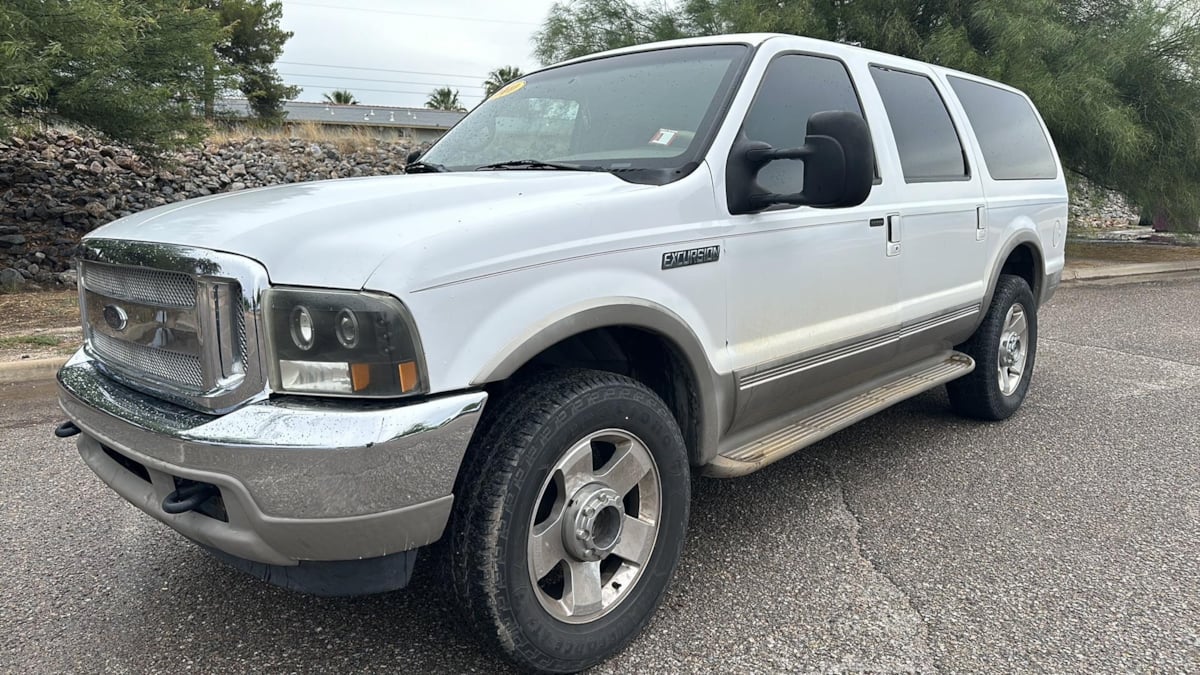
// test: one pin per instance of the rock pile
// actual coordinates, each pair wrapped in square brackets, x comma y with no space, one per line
[1093,208]
[54,188]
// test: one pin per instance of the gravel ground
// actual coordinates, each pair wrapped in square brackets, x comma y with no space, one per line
[1065,540]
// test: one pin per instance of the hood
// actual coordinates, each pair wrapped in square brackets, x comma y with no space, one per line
[336,233]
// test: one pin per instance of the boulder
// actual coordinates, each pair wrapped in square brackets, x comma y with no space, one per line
[11,280]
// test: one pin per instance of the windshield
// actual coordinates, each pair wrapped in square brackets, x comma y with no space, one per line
[649,112]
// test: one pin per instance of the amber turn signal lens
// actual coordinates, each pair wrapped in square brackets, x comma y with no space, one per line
[360,375]
[408,376]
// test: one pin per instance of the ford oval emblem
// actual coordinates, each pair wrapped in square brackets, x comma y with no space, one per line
[115,317]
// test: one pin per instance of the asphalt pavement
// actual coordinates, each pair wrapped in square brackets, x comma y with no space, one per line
[1064,540]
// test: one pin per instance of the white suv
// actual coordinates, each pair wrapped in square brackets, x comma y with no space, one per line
[694,257]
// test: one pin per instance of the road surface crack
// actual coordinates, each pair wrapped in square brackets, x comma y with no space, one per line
[856,527]
[1122,352]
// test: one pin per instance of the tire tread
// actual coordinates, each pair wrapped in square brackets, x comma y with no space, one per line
[977,395]
[471,556]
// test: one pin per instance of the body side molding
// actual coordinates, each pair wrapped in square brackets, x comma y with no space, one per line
[826,356]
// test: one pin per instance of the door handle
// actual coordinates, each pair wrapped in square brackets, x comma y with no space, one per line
[894,232]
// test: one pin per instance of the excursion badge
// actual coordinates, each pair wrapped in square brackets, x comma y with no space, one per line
[692,256]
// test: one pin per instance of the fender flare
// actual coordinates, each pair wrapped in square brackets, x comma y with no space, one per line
[1023,237]
[715,394]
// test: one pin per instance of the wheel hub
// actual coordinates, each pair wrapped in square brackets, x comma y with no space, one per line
[595,517]
[595,526]
[1011,349]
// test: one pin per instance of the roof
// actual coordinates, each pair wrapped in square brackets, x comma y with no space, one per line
[757,39]
[363,115]
[752,39]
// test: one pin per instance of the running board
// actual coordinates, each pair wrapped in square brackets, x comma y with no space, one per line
[806,431]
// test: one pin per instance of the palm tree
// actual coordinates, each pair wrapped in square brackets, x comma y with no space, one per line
[500,77]
[444,98]
[341,97]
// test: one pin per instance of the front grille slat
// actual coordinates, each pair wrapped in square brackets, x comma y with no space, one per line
[157,364]
[139,284]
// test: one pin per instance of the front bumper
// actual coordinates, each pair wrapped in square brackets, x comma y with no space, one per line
[299,480]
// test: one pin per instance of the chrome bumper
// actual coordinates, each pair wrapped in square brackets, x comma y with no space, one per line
[300,480]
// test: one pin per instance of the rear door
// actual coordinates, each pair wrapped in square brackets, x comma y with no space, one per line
[1022,179]
[942,223]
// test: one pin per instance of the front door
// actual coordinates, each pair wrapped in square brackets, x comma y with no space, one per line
[812,292]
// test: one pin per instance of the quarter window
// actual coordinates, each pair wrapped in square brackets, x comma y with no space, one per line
[795,87]
[1013,142]
[929,147]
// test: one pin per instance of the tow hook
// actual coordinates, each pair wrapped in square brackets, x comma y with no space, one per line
[189,497]
[66,429]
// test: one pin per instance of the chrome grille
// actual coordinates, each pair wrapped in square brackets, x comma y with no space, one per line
[147,362]
[156,287]
[175,321]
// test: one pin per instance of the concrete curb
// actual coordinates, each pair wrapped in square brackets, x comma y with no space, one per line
[30,369]
[1129,270]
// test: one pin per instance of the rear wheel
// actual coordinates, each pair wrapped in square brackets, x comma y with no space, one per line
[1004,348]
[570,518]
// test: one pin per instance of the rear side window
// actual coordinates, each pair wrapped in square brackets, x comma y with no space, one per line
[794,88]
[930,149]
[1012,140]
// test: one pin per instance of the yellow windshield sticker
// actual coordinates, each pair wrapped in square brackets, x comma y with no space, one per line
[510,88]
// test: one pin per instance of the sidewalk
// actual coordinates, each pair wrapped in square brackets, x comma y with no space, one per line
[1109,270]
[38,342]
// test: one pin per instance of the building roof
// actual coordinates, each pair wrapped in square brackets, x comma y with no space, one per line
[363,115]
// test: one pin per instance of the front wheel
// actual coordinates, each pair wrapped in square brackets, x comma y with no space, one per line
[570,518]
[1004,347]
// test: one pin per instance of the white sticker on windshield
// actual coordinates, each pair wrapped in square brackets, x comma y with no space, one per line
[664,137]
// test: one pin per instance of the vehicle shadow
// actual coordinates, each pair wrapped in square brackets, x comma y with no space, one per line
[417,629]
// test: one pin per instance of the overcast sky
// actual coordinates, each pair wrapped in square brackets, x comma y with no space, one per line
[394,52]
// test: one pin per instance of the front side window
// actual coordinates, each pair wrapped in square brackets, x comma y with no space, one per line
[1012,140]
[653,112]
[929,147]
[794,88]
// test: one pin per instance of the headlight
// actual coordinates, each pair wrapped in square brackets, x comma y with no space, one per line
[302,328]
[340,343]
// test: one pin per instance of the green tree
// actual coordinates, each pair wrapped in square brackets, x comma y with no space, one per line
[247,56]
[589,26]
[444,98]
[131,70]
[341,97]
[500,77]
[1116,80]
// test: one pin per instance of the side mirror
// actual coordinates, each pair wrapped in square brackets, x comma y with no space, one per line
[413,156]
[839,166]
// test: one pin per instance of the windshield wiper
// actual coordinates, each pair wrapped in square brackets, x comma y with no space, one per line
[424,167]
[536,164]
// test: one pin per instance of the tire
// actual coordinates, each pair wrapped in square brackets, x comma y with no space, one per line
[526,464]
[991,392]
